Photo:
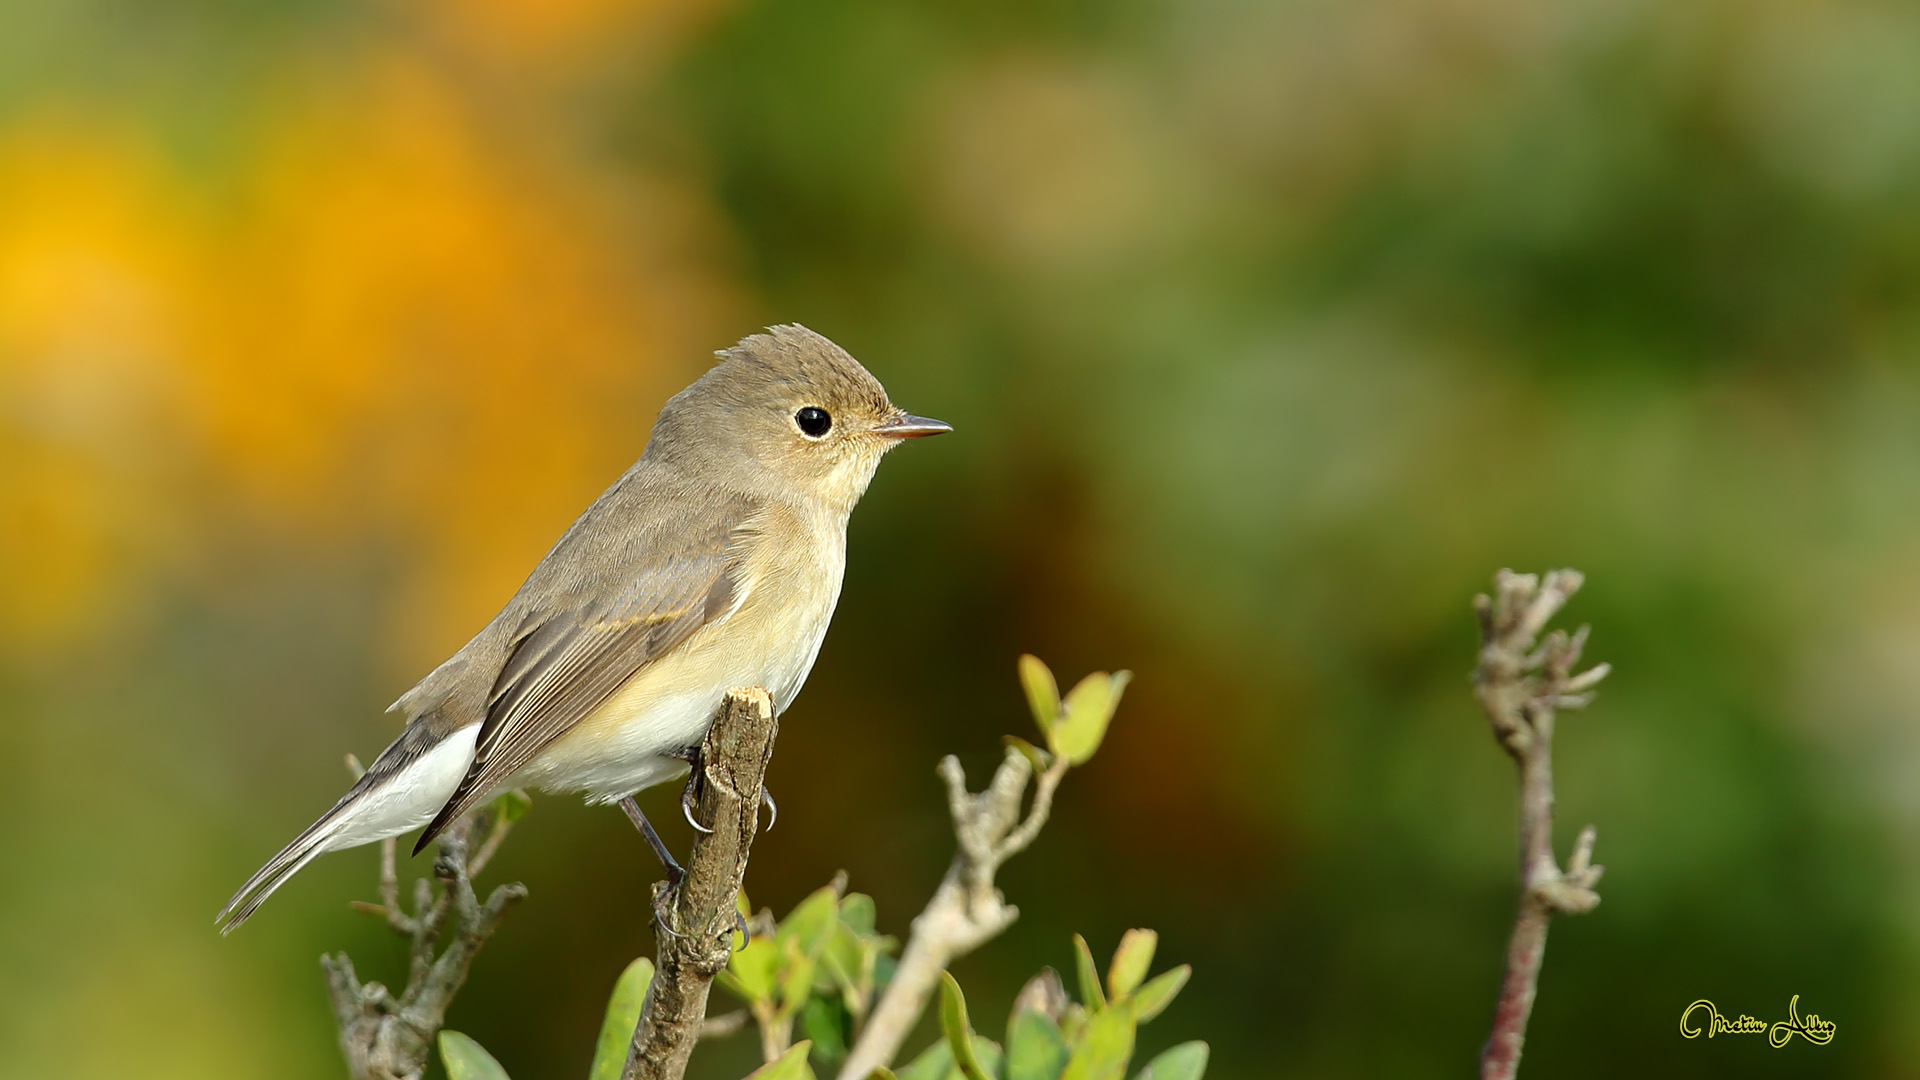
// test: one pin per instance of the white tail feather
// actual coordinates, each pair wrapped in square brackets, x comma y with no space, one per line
[378,807]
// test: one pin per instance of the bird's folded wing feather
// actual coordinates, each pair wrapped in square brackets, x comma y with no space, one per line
[562,665]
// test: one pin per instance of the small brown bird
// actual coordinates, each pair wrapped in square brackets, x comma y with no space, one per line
[714,562]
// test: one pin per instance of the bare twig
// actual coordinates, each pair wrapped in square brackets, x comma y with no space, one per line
[388,1038]
[727,1023]
[1519,687]
[701,916]
[966,910]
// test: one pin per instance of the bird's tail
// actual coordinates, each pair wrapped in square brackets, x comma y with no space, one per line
[406,784]
[305,848]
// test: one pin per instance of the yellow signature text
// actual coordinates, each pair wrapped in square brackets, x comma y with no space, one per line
[1702,1017]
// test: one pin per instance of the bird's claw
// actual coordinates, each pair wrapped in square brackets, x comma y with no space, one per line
[664,894]
[686,809]
[690,795]
[773,809]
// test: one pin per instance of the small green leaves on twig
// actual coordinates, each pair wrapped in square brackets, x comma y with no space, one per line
[1103,1050]
[1073,727]
[1089,975]
[623,1012]
[1130,961]
[1037,758]
[1153,998]
[791,1065]
[953,1021]
[989,828]
[511,805]
[1188,1061]
[1050,1038]
[820,964]
[1036,1047]
[1043,693]
[467,1060]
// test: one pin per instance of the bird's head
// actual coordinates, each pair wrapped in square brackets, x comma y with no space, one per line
[791,406]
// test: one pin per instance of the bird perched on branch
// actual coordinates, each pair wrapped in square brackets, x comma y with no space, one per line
[714,562]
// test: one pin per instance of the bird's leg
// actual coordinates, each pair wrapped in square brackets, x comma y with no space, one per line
[773,811]
[662,898]
[690,795]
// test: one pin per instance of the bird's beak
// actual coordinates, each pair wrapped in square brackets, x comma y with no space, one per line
[909,426]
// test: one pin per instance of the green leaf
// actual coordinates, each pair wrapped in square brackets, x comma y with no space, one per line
[1105,1047]
[840,962]
[1090,994]
[796,978]
[826,1022]
[1073,1022]
[732,984]
[750,971]
[1037,758]
[810,921]
[623,1015]
[882,1073]
[1043,694]
[1036,1050]
[511,805]
[1188,1061]
[856,913]
[1042,993]
[1159,993]
[953,1021]
[987,1053]
[1130,961]
[791,1065]
[934,1063]
[467,1060]
[1084,716]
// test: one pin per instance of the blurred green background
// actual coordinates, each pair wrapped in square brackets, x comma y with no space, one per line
[1270,330]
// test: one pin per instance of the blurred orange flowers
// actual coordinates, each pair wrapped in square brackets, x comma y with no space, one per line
[406,304]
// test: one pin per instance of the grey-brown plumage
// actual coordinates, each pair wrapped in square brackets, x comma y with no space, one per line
[714,562]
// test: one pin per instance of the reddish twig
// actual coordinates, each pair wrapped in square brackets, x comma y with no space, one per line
[1520,686]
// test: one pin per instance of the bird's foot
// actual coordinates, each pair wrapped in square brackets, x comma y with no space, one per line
[690,795]
[665,894]
[687,801]
[773,810]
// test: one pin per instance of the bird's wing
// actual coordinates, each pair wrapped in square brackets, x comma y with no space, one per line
[562,665]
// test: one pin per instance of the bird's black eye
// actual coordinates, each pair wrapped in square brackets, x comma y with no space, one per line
[813,421]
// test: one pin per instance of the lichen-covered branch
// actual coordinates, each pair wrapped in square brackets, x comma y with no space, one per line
[966,910]
[1520,684]
[695,924]
[390,1038]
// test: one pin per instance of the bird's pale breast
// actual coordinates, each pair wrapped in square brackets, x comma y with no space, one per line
[791,576]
